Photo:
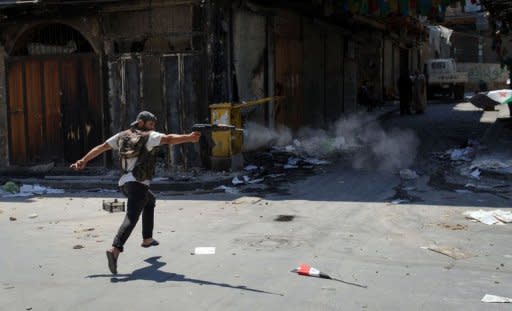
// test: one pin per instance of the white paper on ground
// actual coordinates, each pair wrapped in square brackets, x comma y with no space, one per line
[493,217]
[204,251]
[236,181]
[494,299]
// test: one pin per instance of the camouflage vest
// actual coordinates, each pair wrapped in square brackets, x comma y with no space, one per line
[132,144]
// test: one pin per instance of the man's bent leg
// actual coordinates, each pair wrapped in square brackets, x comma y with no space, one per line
[137,199]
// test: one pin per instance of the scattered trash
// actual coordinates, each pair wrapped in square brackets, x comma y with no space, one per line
[30,190]
[307,270]
[452,252]
[476,174]
[492,164]
[11,187]
[113,206]
[495,217]
[229,190]
[408,174]
[399,201]
[289,149]
[32,216]
[461,154]
[12,218]
[251,168]
[78,246]
[256,181]
[84,230]
[236,181]
[314,161]
[453,227]
[204,251]
[496,299]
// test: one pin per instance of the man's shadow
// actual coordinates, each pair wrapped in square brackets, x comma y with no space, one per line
[153,273]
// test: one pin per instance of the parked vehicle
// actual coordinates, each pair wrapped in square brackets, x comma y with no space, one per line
[443,78]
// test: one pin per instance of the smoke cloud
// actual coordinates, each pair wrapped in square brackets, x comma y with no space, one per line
[367,144]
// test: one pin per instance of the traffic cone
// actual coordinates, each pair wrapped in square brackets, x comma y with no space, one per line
[307,270]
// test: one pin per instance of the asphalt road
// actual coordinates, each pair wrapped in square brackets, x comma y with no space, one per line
[343,224]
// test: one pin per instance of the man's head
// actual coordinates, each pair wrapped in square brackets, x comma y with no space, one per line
[145,121]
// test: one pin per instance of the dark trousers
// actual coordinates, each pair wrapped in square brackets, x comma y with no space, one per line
[140,200]
[405,105]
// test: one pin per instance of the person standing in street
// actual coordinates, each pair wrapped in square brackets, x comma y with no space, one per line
[405,89]
[137,148]
[419,94]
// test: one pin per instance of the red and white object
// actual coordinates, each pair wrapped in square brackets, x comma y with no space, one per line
[307,270]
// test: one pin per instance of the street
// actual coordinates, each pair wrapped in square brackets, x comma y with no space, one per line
[341,221]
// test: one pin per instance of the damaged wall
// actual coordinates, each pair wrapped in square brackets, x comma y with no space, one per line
[250,60]
[4,130]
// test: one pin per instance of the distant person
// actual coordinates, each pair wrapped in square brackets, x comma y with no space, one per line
[136,147]
[482,85]
[405,89]
[419,96]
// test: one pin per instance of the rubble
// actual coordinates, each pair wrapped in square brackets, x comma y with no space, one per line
[30,190]
[464,154]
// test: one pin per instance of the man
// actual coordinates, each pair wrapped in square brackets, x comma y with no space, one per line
[419,92]
[405,89]
[137,173]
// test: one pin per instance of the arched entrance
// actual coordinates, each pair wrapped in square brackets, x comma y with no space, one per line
[54,102]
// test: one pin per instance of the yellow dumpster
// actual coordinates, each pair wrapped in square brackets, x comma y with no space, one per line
[229,144]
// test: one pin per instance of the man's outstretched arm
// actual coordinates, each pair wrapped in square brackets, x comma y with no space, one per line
[96,151]
[176,139]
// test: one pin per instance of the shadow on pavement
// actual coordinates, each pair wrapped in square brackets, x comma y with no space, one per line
[153,273]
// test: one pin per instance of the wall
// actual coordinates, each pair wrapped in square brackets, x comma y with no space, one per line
[4,130]
[250,59]
[495,76]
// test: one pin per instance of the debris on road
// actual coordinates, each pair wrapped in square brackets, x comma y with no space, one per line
[496,299]
[113,206]
[400,201]
[476,174]
[494,217]
[452,252]
[27,190]
[408,174]
[32,216]
[10,187]
[250,168]
[307,270]
[236,181]
[464,154]
[204,251]
[230,190]
[84,230]
[78,246]
[12,218]
[455,227]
